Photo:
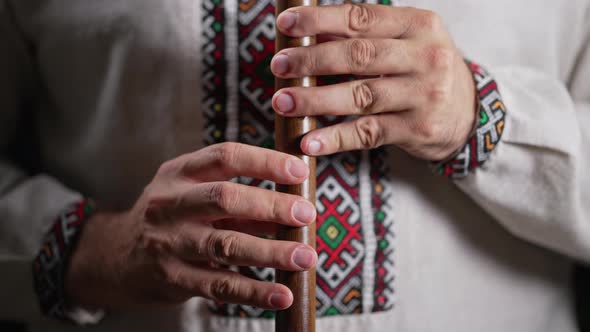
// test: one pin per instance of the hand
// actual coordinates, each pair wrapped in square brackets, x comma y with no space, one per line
[189,222]
[423,96]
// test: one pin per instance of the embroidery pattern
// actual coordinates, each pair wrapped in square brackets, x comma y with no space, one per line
[214,71]
[384,218]
[50,264]
[489,129]
[340,239]
[340,243]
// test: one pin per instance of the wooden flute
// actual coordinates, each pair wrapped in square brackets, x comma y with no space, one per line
[300,317]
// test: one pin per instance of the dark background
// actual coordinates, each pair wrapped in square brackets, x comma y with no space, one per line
[582,282]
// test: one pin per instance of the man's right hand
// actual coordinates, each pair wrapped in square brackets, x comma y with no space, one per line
[189,222]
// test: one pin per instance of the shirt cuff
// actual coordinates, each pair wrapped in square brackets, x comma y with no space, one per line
[50,265]
[488,129]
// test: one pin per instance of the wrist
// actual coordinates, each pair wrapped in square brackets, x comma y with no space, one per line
[92,278]
[470,118]
[485,137]
[84,277]
[466,121]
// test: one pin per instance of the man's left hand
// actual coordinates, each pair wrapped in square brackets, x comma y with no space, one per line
[415,90]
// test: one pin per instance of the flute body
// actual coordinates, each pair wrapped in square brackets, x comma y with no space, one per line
[300,317]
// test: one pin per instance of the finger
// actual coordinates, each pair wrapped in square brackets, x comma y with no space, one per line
[350,56]
[351,98]
[228,160]
[357,21]
[230,287]
[220,200]
[234,248]
[231,200]
[365,132]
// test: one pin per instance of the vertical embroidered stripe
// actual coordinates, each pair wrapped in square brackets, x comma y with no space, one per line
[346,272]
[384,295]
[214,69]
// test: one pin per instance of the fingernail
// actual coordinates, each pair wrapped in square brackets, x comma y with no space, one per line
[279,300]
[304,212]
[314,146]
[297,168]
[280,64]
[304,258]
[287,20]
[284,103]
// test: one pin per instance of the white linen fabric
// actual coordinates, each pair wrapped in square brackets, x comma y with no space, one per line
[116,85]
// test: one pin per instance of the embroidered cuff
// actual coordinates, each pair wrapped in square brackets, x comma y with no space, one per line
[50,265]
[488,130]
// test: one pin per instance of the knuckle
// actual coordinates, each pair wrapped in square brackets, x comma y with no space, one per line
[438,95]
[199,245]
[223,247]
[363,97]
[438,57]
[362,53]
[223,196]
[340,138]
[224,288]
[428,131]
[309,61]
[215,193]
[226,154]
[166,168]
[369,132]
[360,17]
[276,209]
[178,241]
[429,21]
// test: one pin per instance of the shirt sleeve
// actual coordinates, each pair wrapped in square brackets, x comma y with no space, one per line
[536,182]
[29,203]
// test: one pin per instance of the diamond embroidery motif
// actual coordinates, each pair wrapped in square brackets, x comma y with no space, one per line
[332,232]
